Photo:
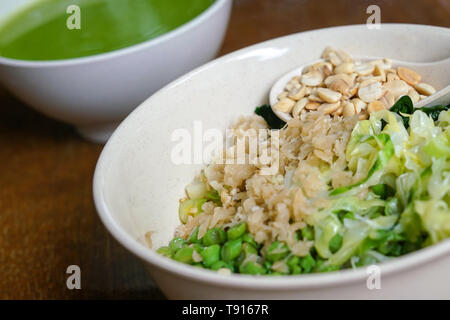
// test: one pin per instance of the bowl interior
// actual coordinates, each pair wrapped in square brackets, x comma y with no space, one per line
[137,185]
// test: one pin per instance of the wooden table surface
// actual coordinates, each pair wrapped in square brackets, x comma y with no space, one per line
[47,215]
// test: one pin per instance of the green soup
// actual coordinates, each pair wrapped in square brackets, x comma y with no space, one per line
[41,31]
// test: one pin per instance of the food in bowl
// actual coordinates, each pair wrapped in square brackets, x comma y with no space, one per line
[347,193]
[341,86]
[41,30]
[347,190]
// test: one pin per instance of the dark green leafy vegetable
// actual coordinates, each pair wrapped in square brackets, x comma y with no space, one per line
[404,106]
[271,118]
[435,111]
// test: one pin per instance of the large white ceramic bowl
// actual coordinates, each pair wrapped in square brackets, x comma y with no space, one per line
[137,186]
[95,93]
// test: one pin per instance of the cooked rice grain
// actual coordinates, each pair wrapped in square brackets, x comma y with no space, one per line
[275,207]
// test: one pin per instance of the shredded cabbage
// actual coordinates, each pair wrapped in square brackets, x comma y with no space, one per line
[401,202]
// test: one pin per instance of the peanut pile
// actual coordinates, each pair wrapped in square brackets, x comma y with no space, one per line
[340,86]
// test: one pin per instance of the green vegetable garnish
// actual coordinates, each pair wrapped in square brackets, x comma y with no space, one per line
[277,251]
[404,106]
[251,267]
[271,118]
[185,255]
[214,236]
[237,231]
[211,255]
[165,251]
[307,263]
[231,250]
[177,243]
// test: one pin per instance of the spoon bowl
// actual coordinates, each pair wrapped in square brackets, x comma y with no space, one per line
[435,73]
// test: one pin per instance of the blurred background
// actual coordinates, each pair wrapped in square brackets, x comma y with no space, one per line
[47,215]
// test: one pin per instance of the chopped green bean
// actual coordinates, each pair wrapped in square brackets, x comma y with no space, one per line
[220,265]
[308,233]
[214,236]
[211,255]
[296,269]
[277,251]
[185,255]
[197,247]
[177,243]
[236,231]
[251,267]
[267,265]
[247,250]
[165,251]
[323,266]
[293,261]
[247,237]
[307,263]
[231,250]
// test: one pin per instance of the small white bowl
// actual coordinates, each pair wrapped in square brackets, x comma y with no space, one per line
[95,93]
[137,186]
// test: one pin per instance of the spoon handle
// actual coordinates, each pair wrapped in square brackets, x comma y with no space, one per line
[442,97]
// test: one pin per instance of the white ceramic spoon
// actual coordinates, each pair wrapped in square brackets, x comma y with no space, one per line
[435,73]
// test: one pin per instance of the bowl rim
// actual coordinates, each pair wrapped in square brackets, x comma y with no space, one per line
[205,15]
[327,279]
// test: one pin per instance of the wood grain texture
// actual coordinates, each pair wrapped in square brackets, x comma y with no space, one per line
[47,216]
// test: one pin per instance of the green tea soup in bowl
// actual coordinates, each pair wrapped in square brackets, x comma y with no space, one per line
[90,62]
[63,29]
